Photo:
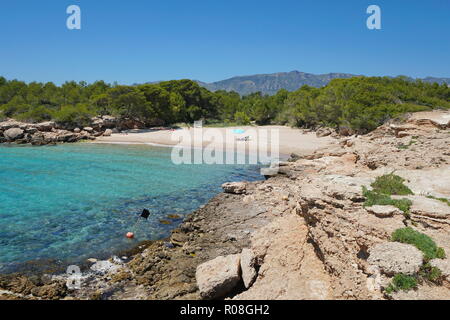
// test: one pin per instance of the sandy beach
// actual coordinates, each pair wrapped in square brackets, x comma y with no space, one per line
[290,140]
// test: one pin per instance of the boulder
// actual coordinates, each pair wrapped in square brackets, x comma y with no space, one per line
[5,125]
[234,187]
[248,263]
[88,129]
[383,211]
[13,134]
[31,130]
[107,133]
[45,126]
[77,130]
[345,131]
[66,136]
[323,132]
[218,277]
[394,257]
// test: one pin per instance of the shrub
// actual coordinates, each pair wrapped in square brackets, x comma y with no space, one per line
[37,114]
[72,116]
[241,118]
[401,282]
[391,184]
[430,273]
[421,241]
[373,198]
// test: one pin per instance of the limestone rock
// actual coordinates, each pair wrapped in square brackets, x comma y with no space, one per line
[395,257]
[13,134]
[5,125]
[216,278]
[443,265]
[323,132]
[248,261]
[234,187]
[104,267]
[45,126]
[383,211]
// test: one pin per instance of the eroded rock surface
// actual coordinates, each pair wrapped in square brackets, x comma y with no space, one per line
[393,257]
[218,277]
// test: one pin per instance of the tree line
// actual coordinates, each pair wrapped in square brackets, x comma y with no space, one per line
[360,103]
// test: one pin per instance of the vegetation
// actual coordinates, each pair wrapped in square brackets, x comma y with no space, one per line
[360,103]
[431,274]
[421,241]
[382,189]
[374,198]
[403,146]
[401,282]
[427,272]
[444,200]
[391,184]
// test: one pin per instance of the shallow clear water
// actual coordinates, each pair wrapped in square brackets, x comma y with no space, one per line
[75,201]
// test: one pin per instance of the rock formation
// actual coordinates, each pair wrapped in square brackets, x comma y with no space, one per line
[304,233]
[49,132]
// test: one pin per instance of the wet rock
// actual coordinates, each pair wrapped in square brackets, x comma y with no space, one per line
[218,277]
[234,187]
[394,257]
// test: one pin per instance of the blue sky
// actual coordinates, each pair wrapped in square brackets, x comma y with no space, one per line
[147,40]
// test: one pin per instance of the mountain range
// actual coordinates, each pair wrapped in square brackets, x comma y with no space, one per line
[291,81]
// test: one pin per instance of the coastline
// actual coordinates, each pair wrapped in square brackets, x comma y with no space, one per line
[57,268]
[307,228]
[291,140]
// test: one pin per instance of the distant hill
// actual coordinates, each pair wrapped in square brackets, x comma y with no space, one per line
[438,80]
[291,81]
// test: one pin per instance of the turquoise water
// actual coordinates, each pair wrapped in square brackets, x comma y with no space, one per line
[75,201]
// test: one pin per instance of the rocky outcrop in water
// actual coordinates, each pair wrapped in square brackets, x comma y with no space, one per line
[49,132]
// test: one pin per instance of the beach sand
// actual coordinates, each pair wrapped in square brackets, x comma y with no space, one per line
[290,140]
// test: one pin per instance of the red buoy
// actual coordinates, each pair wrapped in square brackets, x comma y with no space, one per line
[130,235]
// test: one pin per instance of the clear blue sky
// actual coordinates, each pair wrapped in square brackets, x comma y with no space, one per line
[147,40]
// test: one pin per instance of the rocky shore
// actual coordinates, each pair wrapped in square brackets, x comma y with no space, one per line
[307,232]
[44,133]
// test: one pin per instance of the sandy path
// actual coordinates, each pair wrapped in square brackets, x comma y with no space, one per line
[290,140]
